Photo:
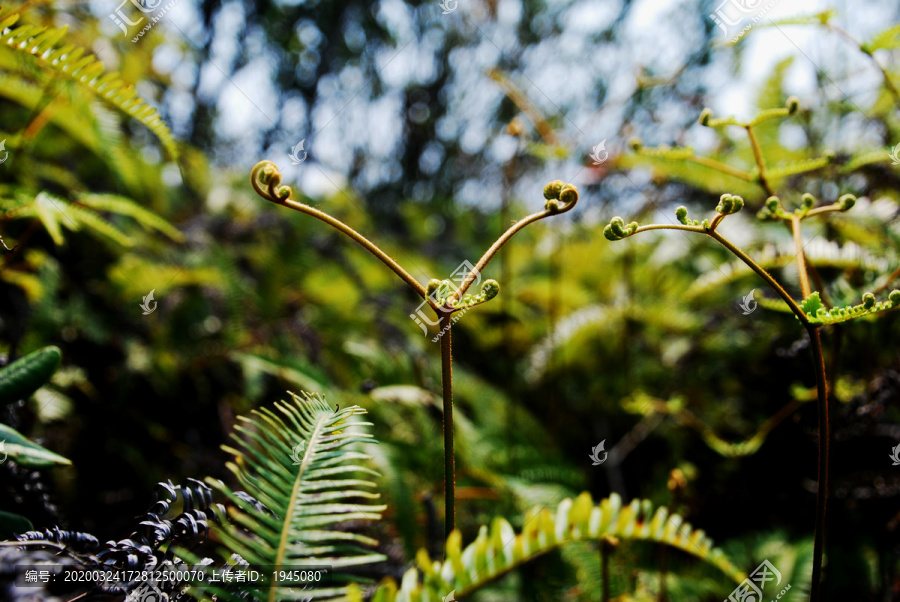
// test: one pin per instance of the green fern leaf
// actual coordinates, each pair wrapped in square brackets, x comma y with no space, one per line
[297,463]
[817,313]
[797,167]
[866,158]
[499,549]
[71,62]
[122,206]
[134,275]
[54,212]
[886,40]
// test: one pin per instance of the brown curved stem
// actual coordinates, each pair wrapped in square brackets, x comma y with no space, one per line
[504,238]
[779,290]
[266,173]
[760,161]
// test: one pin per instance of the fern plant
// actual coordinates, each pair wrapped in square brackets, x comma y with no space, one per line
[443,298]
[42,43]
[299,464]
[59,87]
[809,310]
[304,482]
[499,549]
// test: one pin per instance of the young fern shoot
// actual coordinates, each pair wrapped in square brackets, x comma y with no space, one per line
[810,311]
[443,298]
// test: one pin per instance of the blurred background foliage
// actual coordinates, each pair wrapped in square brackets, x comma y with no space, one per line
[430,133]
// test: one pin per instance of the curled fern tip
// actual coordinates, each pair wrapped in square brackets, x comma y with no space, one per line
[617,230]
[728,204]
[846,202]
[792,104]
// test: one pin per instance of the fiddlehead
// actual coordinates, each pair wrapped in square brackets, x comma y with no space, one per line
[617,230]
[774,209]
[559,196]
[440,291]
[266,181]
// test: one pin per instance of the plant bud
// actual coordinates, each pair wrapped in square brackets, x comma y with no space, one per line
[868,300]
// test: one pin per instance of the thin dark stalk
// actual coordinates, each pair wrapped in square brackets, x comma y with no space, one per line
[815,341]
[762,273]
[447,425]
[605,549]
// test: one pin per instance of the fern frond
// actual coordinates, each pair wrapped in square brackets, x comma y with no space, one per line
[887,39]
[819,253]
[29,283]
[135,275]
[90,124]
[817,313]
[646,405]
[866,158]
[595,318]
[85,70]
[798,167]
[677,165]
[123,206]
[296,462]
[54,212]
[499,550]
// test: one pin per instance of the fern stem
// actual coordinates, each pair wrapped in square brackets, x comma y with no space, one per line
[498,244]
[763,274]
[447,425]
[721,167]
[266,181]
[801,259]
[815,341]
[605,549]
[669,227]
[760,161]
